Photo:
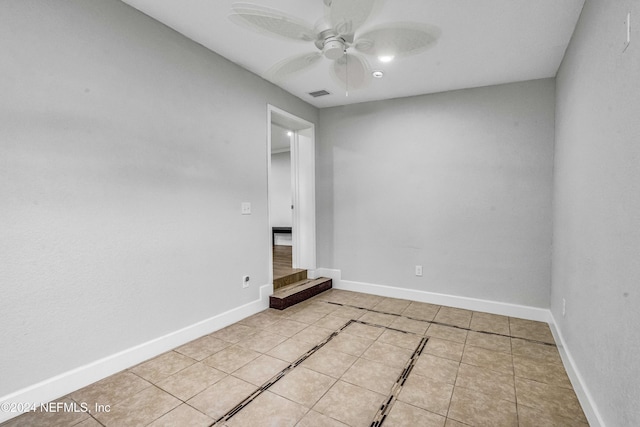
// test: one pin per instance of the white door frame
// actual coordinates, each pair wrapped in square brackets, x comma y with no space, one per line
[303,191]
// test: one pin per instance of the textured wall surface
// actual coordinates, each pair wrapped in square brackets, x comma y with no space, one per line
[125,153]
[596,260]
[458,182]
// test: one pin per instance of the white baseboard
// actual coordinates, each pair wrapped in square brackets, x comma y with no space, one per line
[487,306]
[63,384]
[586,400]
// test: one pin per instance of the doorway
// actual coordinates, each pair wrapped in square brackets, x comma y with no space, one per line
[291,216]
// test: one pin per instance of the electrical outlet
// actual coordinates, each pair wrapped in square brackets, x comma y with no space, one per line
[564,307]
[418,270]
[245,281]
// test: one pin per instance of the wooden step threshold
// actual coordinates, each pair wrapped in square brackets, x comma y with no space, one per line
[297,292]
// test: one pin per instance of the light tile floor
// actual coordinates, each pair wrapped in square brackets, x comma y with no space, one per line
[343,359]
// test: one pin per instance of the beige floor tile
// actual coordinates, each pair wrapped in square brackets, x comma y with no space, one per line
[491,383]
[400,339]
[349,344]
[426,393]
[444,348]
[494,360]
[89,422]
[530,329]
[307,316]
[529,417]
[52,414]
[403,415]
[490,323]
[329,362]
[489,341]
[231,358]
[349,312]
[183,416]
[392,305]
[454,317]
[262,341]
[421,311]
[372,375]
[475,408]
[556,401]
[453,423]
[322,307]
[366,300]
[410,325]
[332,322]
[290,350]
[303,386]
[447,333]
[350,404]
[437,368]
[141,409]
[364,331]
[221,397]
[269,409]
[533,350]
[162,366]
[287,328]
[234,333]
[379,319]
[260,370]
[388,354]
[191,381]
[111,390]
[313,334]
[203,347]
[316,419]
[261,320]
[541,371]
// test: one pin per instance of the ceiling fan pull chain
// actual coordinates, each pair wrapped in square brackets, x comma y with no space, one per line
[346,74]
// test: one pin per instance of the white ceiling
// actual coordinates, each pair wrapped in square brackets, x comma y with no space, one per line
[483,42]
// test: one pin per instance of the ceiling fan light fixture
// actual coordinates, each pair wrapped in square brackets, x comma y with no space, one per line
[377,74]
[333,48]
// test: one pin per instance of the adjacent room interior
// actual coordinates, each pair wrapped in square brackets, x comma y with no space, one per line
[141,219]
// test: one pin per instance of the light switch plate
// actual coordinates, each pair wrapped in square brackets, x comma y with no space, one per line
[246,208]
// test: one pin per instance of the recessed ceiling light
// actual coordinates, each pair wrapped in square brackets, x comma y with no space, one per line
[289,133]
[386,58]
[377,74]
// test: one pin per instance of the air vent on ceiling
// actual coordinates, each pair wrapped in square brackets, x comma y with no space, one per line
[319,93]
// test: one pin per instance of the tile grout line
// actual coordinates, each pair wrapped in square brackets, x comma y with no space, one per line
[277,377]
[441,323]
[385,408]
[264,387]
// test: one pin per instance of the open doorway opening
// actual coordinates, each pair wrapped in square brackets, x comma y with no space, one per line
[291,154]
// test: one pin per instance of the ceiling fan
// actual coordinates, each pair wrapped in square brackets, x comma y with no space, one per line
[338,38]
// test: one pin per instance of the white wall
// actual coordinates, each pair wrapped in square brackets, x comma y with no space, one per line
[125,153]
[458,182]
[280,189]
[596,260]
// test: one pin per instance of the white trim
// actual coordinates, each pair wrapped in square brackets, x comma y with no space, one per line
[486,306]
[67,382]
[579,386]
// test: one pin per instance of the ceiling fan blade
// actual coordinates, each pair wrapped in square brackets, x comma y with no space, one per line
[271,21]
[292,65]
[352,70]
[346,16]
[397,39]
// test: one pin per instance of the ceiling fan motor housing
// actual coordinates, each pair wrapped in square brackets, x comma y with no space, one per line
[333,48]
